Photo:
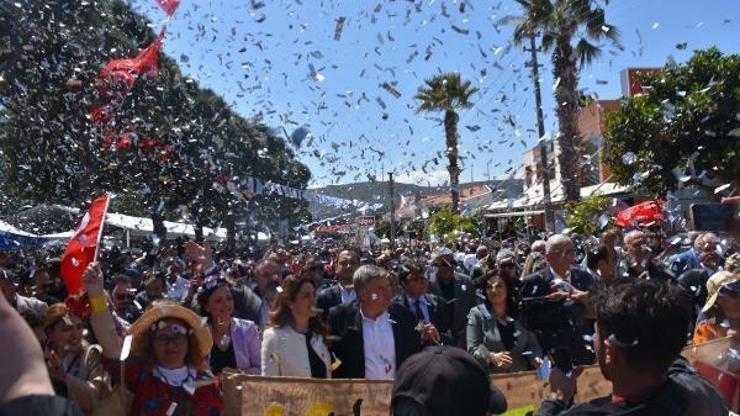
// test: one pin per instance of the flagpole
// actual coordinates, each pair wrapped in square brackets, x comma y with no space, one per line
[100,231]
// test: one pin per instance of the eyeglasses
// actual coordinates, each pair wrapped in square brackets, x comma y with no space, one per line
[176,340]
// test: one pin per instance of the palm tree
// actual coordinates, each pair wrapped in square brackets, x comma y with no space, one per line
[447,92]
[560,22]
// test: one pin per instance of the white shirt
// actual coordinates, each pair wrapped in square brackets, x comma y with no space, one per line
[380,348]
[558,279]
[348,295]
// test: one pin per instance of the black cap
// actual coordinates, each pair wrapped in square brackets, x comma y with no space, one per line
[447,381]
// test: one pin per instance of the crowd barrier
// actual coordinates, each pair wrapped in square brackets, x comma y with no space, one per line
[287,396]
[249,395]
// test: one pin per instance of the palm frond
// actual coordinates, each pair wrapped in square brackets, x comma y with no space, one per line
[586,52]
[444,92]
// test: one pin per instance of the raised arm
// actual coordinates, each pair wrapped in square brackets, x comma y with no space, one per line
[101,319]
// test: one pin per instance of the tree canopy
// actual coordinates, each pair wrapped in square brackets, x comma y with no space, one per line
[185,150]
[684,129]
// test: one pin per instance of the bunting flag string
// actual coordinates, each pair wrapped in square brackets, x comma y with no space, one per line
[252,186]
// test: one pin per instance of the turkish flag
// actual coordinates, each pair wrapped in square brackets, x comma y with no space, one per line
[169,6]
[644,214]
[146,61]
[82,248]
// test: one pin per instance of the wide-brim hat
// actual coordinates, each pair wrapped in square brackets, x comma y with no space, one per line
[170,310]
[715,283]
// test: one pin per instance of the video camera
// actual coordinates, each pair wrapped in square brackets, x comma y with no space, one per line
[553,322]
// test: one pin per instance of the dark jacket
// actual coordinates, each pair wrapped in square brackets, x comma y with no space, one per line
[247,304]
[538,284]
[329,298]
[437,314]
[345,323]
[655,271]
[485,338]
[458,307]
[685,393]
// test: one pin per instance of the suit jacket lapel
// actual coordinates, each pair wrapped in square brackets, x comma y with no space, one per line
[359,345]
[396,339]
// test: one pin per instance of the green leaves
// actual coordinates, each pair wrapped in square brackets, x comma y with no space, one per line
[681,129]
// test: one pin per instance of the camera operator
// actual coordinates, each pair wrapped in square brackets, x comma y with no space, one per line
[562,289]
[640,331]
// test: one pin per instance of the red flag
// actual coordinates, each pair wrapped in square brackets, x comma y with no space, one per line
[169,6]
[647,213]
[114,81]
[82,248]
[146,61]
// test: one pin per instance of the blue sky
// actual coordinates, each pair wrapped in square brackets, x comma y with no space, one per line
[260,59]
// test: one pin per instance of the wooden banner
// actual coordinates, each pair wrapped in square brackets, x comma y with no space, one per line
[287,396]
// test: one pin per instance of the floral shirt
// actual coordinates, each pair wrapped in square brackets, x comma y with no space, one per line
[154,397]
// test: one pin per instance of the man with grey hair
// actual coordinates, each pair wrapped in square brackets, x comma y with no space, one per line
[639,258]
[539,245]
[704,245]
[561,280]
[372,335]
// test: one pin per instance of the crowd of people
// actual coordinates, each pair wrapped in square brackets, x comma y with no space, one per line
[162,324]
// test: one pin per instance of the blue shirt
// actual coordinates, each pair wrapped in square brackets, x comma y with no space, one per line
[422,303]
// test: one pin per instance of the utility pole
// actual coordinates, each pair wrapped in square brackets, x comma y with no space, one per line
[393,212]
[549,215]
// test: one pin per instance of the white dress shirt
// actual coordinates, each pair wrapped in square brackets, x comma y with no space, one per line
[380,348]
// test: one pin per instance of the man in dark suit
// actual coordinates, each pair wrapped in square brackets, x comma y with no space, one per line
[457,291]
[345,264]
[372,336]
[254,304]
[429,310]
[639,258]
[562,280]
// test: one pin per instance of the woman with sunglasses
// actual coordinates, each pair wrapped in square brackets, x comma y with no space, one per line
[71,359]
[166,372]
[295,343]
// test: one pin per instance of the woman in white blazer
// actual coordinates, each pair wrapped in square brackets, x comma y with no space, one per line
[295,343]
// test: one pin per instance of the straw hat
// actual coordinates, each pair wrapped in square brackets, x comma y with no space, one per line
[165,309]
[714,283]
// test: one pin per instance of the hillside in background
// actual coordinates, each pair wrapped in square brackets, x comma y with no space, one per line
[378,192]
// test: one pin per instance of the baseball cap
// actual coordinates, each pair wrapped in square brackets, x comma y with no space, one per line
[447,381]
